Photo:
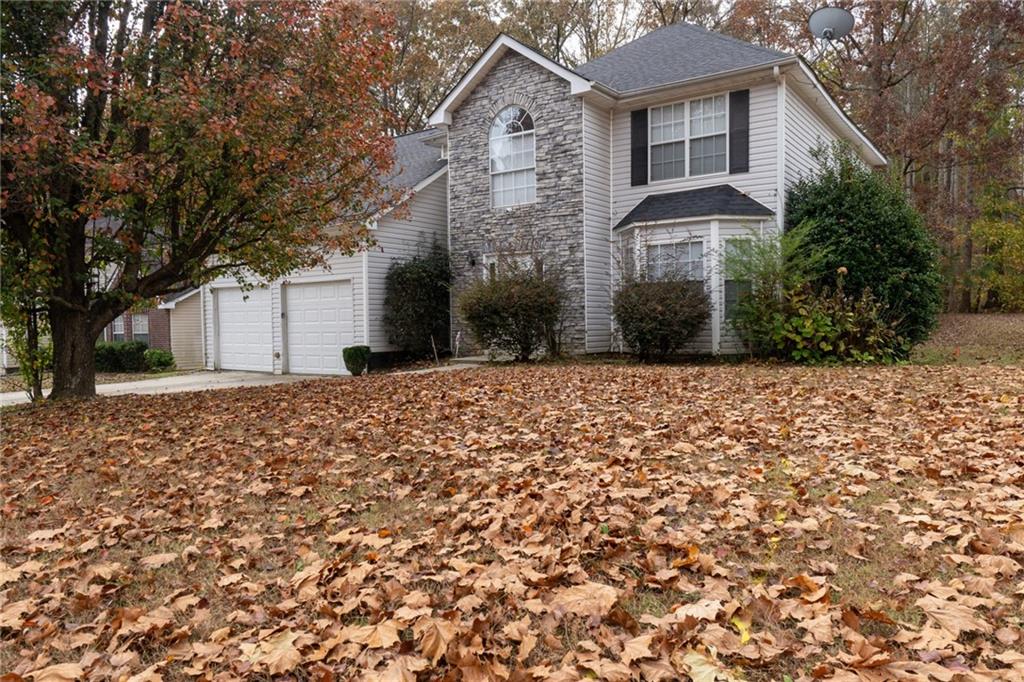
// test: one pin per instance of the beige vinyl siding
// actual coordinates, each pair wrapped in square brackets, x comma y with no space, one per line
[413,231]
[760,182]
[187,332]
[597,226]
[805,131]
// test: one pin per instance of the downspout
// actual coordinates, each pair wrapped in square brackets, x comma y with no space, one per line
[780,142]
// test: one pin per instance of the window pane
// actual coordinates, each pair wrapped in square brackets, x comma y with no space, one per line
[707,155]
[668,161]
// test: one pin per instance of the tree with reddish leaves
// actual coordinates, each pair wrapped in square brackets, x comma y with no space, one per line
[152,146]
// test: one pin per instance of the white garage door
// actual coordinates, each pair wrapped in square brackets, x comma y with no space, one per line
[319,323]
[244,330]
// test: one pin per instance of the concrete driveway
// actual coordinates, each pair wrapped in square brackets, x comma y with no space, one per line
[179,383]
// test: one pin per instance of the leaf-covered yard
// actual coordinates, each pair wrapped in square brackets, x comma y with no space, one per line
[526,523]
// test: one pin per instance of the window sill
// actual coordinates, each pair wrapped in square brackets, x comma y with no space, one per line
[682,178]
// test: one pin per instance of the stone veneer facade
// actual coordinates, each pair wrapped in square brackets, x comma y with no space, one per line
[555,220]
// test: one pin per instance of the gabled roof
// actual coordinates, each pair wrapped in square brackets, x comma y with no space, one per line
[415,159]
[720,200]
[494,52]
[172,300]
[675,53]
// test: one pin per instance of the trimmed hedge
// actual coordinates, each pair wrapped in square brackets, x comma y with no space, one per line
[356,359]
[121,356]
[159,359]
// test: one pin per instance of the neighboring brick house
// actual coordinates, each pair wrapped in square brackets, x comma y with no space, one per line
[174,325]
[152,327]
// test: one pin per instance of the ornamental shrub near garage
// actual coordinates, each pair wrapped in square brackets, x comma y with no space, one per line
[416,301]
[658,318]
[356,359]
[861,221]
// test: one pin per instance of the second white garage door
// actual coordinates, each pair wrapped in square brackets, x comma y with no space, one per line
[319,321]
[244,333]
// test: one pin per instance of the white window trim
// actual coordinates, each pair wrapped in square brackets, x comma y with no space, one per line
[687,139]
[667,240]
[491,173]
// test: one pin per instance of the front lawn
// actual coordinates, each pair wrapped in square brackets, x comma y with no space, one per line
[721,522]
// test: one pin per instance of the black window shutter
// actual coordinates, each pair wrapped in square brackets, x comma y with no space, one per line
[638,147]
[739,131]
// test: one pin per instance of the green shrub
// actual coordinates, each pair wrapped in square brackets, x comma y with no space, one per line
[785,316]
[832,326]
[861,220]
[416,312]
[132,356]
[658,318]
[356,359]
[121,356]
[516,311]
[158,359]
[107,357]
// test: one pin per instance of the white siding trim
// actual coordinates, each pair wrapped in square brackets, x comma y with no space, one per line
[366,299]
[780,151]
[716,278]
[583,215]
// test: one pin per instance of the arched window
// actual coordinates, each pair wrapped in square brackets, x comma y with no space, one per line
[513,164]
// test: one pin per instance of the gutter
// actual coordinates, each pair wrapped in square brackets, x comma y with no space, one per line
[625,97]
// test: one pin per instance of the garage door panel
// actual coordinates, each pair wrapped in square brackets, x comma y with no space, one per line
[319,324]
[244,330]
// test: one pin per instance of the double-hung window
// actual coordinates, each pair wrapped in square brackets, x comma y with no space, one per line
[668,142]
[513,158]
[117,329]
[140,327]
[699,126]
[680,260]
[707,135]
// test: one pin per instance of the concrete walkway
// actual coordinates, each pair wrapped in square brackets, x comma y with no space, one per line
[179,383]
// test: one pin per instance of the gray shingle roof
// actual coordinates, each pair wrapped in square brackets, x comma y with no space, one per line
[672,54]
[695,203]
[415,160]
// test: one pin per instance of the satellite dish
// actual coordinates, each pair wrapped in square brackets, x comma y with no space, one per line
[830,23]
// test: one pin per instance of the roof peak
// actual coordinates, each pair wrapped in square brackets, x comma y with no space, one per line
[673,54]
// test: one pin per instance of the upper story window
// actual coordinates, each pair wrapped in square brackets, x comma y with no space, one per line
[513,158]
[701,125]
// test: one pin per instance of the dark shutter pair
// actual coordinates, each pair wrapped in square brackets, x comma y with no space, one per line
[739,138]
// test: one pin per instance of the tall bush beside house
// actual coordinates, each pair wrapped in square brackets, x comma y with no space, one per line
[416,301]
[861,220]
[516,310]
[786,315]
[658,318]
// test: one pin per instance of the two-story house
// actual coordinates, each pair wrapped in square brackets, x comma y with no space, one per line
[660,152]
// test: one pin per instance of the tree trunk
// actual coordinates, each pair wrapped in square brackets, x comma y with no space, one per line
[35,368]
[74,359]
